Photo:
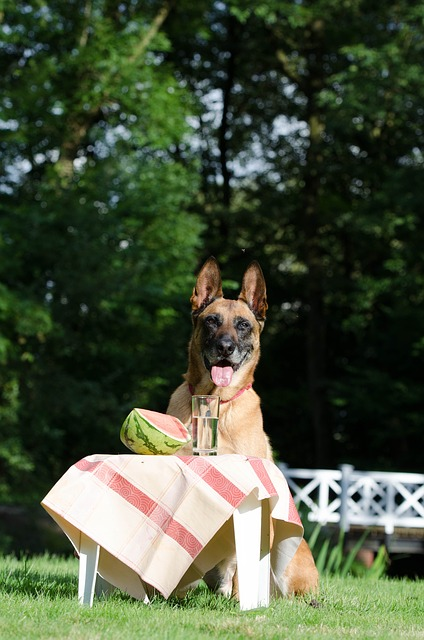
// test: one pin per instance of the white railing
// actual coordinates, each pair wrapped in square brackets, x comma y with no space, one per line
[365,498]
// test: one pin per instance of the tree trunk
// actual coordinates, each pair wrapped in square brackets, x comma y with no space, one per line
[310,84]
[316,323]
[226,102]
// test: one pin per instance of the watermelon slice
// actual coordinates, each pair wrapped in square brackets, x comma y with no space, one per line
[150,432]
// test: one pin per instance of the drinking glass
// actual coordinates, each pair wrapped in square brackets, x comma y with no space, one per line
[204,421]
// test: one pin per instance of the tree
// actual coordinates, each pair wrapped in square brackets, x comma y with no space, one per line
[98,243]
[311,136]
[292,133]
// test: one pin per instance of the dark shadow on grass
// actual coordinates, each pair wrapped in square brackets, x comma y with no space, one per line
[23,580]
[33,583]
[200,598]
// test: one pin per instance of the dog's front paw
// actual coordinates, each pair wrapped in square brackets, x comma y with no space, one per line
[222,577]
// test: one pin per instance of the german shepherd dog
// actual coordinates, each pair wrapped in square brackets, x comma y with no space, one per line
[223,353]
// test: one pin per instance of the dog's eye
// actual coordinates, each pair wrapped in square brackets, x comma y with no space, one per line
[244,325]
[212,321]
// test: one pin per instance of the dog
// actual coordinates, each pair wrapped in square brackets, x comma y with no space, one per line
[223,353]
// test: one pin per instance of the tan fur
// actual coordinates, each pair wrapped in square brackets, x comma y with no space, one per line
[240,424]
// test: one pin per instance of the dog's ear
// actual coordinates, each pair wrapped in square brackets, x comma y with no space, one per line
[253,291]
[208,286]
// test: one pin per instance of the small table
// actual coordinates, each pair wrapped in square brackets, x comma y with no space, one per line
[144,523]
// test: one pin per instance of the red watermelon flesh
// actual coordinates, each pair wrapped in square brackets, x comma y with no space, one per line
[169,425]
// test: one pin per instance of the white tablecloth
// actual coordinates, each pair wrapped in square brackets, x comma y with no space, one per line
[164,521]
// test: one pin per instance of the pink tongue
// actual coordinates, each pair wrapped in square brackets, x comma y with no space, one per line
[222,376]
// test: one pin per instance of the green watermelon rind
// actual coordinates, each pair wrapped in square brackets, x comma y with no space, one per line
[135,433]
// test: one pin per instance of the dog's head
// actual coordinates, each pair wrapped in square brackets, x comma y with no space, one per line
[226,332]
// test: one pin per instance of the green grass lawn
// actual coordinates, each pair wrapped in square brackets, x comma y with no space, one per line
[38,599]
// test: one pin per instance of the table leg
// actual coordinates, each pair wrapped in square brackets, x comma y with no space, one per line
[265,556]
[252,536]
[89,582]
[88,562]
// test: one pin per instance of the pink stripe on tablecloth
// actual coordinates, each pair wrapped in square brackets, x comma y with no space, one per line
[146,505]
[87,465]
[259,468]
[261,472]
[215,479]
[293,513]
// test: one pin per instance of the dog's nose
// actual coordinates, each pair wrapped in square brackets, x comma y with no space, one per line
[225,346]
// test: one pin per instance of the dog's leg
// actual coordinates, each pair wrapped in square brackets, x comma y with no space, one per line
[235,591]
[220,578]
[301,576]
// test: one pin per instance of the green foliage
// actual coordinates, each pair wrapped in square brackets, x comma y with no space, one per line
[333,559]
[314,167]
[98,243]
[139,138]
